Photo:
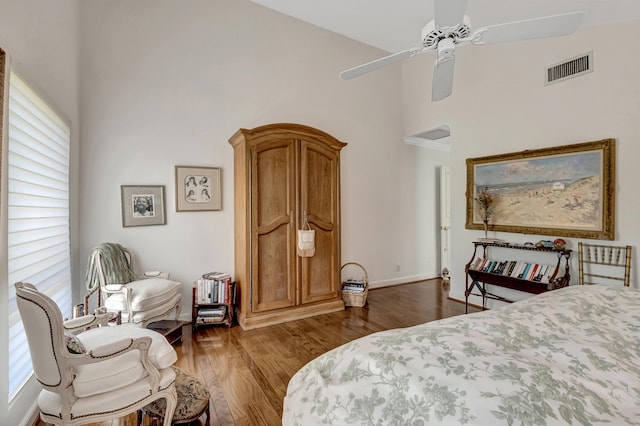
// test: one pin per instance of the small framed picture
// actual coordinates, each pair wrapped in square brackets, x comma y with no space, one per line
[198,189]
[142,205]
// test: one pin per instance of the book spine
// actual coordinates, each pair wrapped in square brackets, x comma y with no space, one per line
[544,276]
[541,271]
[532,272]
[520,269]
[202,286]
[482,265]
[209,319]
[516,269]
[476,263]
[524,272]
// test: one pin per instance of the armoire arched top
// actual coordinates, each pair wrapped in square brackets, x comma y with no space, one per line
[287,130]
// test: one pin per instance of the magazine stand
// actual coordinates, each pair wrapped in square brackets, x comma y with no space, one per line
[477,279]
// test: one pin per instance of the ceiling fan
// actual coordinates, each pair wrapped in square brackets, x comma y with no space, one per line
[451,27]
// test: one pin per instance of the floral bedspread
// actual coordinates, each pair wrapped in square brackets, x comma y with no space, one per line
[570,356]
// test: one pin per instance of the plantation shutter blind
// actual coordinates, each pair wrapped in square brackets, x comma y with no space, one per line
[38,214]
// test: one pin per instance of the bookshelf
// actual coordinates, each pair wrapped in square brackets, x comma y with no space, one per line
[213,302]
[531,276]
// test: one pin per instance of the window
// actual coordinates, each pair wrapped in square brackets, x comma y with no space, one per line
[38,213]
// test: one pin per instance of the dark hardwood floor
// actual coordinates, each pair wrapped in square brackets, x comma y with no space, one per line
[247,372]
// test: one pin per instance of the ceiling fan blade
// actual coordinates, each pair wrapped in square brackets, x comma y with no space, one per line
[449,13]
[548,26]
[442,84]
[379,63]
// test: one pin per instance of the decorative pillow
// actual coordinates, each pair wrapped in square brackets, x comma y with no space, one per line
[74,345]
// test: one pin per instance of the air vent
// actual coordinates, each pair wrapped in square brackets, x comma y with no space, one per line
[436,138]
[433,134]
[570,68]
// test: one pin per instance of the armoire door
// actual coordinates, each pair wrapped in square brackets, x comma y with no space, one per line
[319,186]
[273,232]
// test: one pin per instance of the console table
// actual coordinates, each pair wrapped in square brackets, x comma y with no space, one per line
[477,279]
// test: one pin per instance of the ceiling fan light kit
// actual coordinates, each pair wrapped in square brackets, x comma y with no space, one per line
[451,27]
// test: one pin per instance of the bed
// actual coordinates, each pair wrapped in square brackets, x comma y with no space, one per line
[569,356]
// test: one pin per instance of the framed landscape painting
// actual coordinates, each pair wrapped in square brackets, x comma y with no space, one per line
[561,191]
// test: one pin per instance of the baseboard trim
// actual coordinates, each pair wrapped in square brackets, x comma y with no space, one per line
[33,416]
[403,280]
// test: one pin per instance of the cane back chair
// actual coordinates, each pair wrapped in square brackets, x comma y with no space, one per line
[604,264]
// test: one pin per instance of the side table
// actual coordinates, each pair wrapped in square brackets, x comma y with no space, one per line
[170,329]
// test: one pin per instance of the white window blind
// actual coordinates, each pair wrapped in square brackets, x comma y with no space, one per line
[38,214]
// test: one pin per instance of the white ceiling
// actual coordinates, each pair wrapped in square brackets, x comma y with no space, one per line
[395,25]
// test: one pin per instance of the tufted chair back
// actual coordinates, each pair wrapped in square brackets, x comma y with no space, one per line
[42,322]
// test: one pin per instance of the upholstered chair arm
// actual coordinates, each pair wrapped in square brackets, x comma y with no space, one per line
[86,321]
[111,350]
[113,288]
[110,289]
[156,274]
[116,349]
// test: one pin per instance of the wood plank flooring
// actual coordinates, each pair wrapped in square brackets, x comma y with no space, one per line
[247,372]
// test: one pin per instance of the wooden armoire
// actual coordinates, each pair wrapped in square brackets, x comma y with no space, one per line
[282,174]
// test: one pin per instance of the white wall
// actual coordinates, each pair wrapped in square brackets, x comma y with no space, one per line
[167,82]
[40,38]
[500,105]
[159,83]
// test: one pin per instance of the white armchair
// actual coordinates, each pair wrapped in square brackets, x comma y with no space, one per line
[140,299]
[97,375]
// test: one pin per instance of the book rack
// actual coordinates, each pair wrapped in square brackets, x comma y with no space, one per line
[504,273]
[210,312]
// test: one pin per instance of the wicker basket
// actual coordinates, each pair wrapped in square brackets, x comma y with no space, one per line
[355,298]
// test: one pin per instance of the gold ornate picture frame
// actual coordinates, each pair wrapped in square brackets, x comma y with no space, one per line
[561,191]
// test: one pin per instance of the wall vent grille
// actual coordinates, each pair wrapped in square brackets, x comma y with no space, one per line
[570,68]
[436,133]
[436,138]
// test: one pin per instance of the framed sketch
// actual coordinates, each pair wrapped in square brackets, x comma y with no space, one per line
[562,191]
[142,205]
[198,189]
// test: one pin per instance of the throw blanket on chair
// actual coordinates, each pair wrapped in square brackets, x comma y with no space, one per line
[112,259]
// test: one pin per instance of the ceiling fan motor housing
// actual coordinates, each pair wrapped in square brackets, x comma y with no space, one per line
[432,35]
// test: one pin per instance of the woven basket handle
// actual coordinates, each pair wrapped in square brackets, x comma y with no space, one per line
[358,265]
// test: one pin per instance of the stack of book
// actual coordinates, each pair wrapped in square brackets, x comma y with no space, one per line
[518,269]
[212,315]
[212,288]
[354,285]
